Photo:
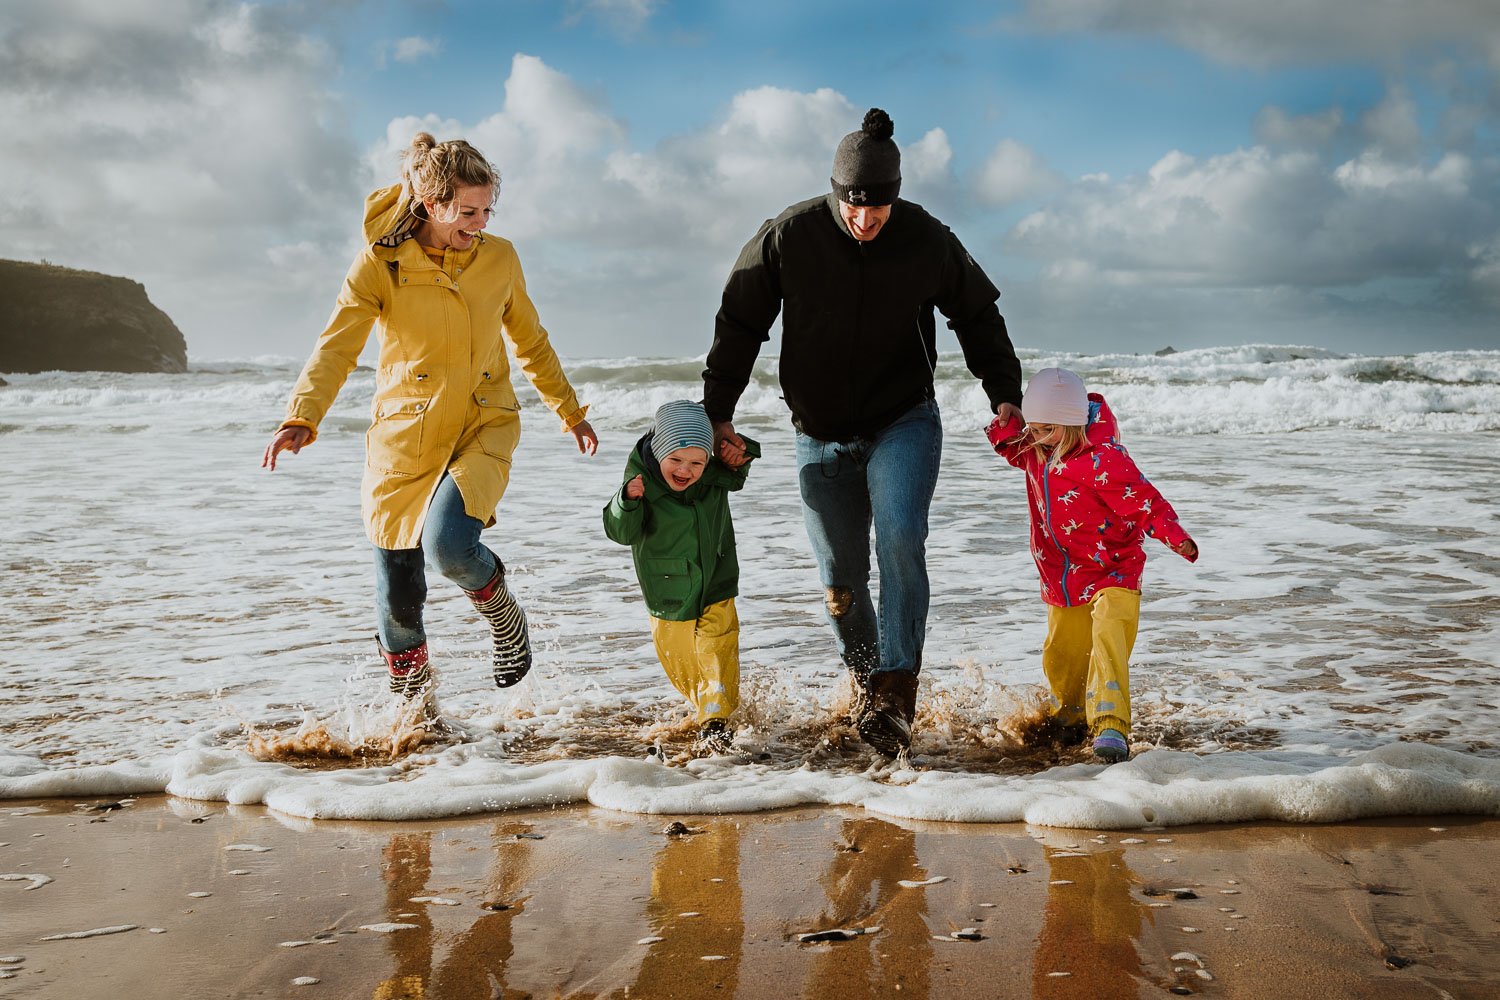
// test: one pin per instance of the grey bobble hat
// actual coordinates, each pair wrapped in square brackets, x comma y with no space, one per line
[1056,396]
[681,424]
[867,164]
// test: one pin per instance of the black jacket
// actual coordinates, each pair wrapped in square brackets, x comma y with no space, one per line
[858,344]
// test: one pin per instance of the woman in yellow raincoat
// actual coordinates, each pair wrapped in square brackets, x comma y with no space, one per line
[445,298]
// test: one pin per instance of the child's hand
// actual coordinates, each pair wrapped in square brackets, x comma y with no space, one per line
[1188,549]
[635,489]
[1005,426]
[730,446]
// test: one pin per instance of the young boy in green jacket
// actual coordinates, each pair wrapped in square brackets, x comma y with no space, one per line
[673,512]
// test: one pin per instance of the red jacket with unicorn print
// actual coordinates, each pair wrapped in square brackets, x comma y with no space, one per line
[1088,516]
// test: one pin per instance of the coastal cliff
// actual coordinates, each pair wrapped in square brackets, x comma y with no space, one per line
[60,319]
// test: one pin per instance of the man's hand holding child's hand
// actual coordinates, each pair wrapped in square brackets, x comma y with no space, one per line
[636,488]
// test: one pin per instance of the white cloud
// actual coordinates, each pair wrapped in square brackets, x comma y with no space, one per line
[623,17]
[1259,219]
[1273,31]
[1013,172]
[168,142]
[1276,128]
[415,47]
[928,161]
[1392,124]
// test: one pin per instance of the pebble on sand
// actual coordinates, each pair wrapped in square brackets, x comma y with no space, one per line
[200,895]
[96,932]
[650,940]
[388,928]
[436,900]
[11,959]
[911,884]
[306,981]
[36,879]
[835,934]
[252,848]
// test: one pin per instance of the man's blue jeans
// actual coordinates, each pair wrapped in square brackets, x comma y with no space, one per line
[887,481]
[451,538]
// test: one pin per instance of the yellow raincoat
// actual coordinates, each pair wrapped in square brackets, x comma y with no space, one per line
[443,398]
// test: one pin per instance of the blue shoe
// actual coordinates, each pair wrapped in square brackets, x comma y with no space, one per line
[1110,746]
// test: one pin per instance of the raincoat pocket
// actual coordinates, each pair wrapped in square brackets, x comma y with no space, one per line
[394,440]
[667,585]
[499,423]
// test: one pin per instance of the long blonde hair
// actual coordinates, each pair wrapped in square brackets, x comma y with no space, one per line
[432,171]
[1074,436]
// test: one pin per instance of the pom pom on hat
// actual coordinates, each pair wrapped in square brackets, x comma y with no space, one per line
[1056,396]
[681,424]
[867,164]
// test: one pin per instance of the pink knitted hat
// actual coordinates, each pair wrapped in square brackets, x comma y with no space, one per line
[1056,396]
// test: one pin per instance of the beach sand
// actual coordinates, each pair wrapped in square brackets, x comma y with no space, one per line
[231,901]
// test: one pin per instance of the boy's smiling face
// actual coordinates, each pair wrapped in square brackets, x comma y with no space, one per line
[684,467]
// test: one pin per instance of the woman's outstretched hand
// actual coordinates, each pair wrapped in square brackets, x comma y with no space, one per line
[287,439]
[588,441]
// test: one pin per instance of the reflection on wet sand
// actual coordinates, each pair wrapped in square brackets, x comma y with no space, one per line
[862,884]
[474,964]
[696,912]
[1088,945]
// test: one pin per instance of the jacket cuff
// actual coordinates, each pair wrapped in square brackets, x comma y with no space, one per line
[573,419]
[999,433]
[1172,535]
[300,422]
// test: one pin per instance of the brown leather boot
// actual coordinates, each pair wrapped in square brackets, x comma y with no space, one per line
[885,723]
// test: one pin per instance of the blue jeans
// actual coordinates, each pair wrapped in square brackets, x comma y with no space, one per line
[451,538]
[886,480]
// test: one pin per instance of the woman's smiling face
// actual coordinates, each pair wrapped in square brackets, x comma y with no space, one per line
[458,223]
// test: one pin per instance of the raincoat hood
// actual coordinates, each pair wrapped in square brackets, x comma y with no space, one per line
[390,216]
[1102,427]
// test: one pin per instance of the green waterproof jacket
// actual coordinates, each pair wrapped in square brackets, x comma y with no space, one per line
[682,543]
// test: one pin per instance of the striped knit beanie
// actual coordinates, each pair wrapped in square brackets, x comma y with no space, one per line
[681,424]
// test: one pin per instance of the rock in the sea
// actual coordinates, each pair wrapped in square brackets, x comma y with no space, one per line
[58,319]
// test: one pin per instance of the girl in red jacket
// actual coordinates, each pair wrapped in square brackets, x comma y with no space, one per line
[1090,507]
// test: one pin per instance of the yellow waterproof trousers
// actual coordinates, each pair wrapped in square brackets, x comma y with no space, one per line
[1086,658]
[702,659]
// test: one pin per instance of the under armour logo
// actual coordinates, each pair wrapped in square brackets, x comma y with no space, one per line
[857,196]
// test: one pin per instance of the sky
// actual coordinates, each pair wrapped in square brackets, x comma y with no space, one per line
[1132,174]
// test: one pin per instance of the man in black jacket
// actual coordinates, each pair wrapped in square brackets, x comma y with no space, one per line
[856,275]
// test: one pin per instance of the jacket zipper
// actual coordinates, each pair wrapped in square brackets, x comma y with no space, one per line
[1052,534]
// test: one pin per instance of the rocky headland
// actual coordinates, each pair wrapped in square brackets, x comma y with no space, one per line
[60,319]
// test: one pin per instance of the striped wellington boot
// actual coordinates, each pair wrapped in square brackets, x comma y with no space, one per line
[409,672]
[512,643]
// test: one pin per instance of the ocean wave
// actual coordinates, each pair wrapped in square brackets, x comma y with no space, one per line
[1244,389]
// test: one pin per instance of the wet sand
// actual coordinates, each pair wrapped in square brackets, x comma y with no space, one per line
[580,902]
